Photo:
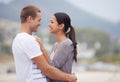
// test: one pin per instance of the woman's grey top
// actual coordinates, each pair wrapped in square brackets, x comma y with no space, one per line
[63,58]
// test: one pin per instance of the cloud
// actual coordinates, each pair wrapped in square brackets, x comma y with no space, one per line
[5,1]
[106,9]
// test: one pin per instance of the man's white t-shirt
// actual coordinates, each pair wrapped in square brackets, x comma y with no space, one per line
[25,47]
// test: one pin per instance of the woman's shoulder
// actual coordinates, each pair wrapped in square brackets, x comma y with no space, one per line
[66,42]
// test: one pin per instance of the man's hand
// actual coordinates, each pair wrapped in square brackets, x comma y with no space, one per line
[73,78]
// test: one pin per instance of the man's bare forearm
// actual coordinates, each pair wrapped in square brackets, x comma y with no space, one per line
[51,71]
[56,74]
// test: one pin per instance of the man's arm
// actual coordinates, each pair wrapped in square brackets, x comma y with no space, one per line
[51,71]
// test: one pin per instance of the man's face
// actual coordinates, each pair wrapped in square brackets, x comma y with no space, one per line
[35,22]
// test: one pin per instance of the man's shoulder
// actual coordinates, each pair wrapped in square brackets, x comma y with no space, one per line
[24,36]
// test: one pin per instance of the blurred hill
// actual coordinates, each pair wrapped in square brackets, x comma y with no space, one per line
[79,17]
[8,30]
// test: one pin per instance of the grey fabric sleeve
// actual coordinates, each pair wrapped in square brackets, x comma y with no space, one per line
[61,55]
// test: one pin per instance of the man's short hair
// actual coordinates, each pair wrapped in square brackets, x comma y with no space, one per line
[28,11]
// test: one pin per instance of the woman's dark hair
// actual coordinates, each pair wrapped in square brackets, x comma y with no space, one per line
[68,29]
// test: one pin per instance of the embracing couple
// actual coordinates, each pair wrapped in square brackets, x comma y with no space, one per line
[32,62]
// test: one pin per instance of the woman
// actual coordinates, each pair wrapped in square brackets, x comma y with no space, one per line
[64,50]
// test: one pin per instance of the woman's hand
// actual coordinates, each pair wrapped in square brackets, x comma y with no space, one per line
[42,48]
[38,40]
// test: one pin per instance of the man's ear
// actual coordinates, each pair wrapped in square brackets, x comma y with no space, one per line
[29,19]
[61,26]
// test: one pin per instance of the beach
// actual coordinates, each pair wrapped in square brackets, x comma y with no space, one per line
[86,76]
[82,75]
[96,76]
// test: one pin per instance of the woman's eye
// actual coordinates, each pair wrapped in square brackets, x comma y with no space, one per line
[52,22]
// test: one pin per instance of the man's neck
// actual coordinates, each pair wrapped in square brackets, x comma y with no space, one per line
[25,28]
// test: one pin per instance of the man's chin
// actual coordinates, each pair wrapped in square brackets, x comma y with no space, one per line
[50,32]
[35,30]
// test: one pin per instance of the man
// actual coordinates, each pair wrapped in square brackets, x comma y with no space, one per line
[29,60]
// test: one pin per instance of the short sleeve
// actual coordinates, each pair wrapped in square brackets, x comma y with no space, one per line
[61,55]
[31,48]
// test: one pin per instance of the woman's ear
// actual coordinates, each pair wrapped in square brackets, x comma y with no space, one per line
[61,26]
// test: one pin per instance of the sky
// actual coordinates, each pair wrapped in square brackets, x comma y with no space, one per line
[106,9]
[5,1]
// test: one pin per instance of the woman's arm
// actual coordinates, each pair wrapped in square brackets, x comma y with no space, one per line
[42,48]
[45,53]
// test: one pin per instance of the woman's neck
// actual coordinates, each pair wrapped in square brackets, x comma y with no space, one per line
[60,37]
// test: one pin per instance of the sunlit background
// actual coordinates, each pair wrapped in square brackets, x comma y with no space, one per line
[97,26]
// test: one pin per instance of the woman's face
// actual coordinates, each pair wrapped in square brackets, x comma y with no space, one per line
[54,26]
